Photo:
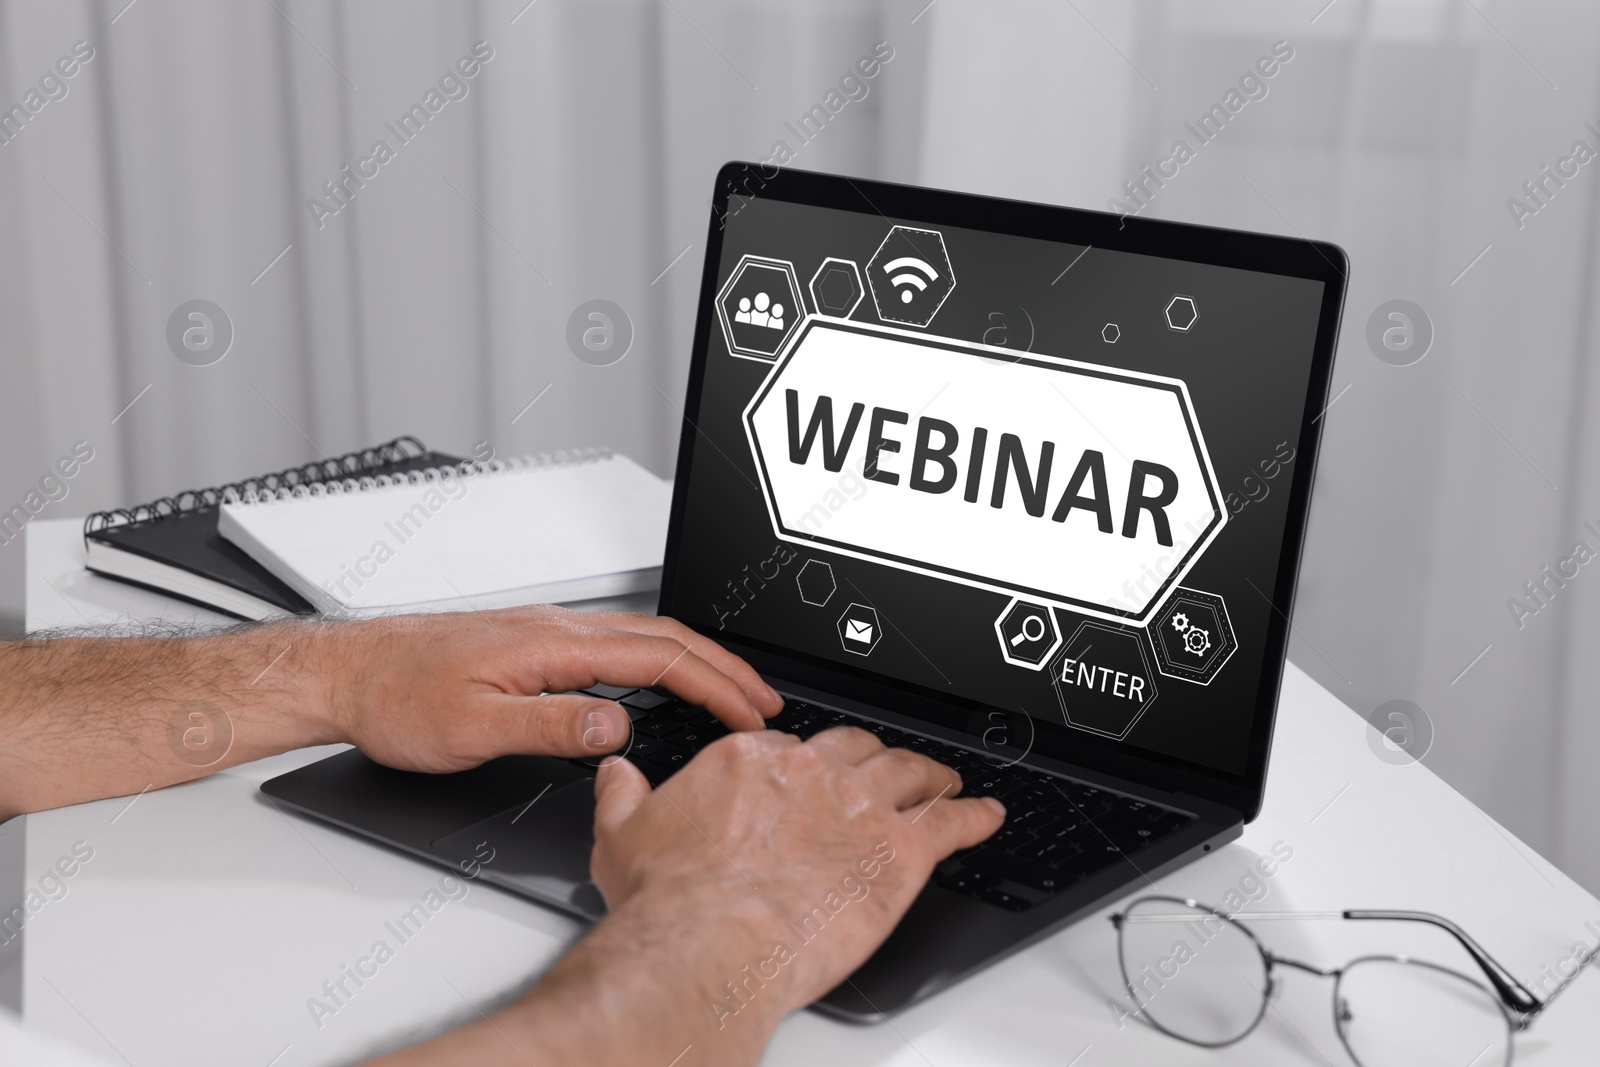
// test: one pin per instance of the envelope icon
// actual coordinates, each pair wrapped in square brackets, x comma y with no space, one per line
[855,630]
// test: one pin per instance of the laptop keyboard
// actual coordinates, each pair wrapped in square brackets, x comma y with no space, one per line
[1058,831]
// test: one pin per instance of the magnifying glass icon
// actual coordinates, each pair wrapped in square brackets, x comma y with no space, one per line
[1027,633]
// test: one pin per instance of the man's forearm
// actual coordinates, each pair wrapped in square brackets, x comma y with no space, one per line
[645,986]
[84,718]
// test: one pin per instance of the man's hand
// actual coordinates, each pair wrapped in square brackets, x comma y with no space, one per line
[447,692]
[763,839]
[752,882]
[84,717]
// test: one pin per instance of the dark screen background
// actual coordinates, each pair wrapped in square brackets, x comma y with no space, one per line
[1246,362]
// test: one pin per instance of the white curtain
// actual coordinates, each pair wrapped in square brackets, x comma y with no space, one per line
[578,165]
[575,164]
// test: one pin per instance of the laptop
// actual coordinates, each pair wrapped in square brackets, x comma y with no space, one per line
[1020,487]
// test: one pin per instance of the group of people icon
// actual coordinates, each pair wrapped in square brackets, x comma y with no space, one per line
[759,314]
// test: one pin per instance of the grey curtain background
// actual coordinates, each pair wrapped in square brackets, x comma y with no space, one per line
[577,165]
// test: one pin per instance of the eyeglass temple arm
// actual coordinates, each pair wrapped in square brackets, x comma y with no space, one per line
[1512,992]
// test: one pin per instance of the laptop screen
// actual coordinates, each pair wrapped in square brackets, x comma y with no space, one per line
[1023,472]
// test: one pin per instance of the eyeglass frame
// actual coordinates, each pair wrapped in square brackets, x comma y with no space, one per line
[1518,1005]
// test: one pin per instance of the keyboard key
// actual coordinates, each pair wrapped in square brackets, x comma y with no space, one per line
[1070,829]
[1001,899]
[987,786]
[610,692]
[690,737]
[891,737]
[1027,796]
[644,747]
[1025,817]
[1010,838]
[965,880]
[1076,868]
[1016,869]
[652,726]
[1118,824]
[1048,852]
[644,700]
[671,758]
[1133,838]
[1109,851]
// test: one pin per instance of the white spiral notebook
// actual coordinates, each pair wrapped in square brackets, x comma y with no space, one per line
[537,529]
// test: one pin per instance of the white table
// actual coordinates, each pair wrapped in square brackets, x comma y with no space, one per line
[206,918]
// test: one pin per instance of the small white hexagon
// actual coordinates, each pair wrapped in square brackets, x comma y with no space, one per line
[1019,646]
[1181,313]
[827,305]
[860,630]
[816,580]
[1111,333]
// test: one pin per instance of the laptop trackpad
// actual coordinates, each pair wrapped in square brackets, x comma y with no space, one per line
[540,849]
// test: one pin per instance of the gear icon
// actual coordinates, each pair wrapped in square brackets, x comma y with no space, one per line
[1195,637]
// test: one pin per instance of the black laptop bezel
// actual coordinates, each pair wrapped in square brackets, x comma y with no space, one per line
[1292,257]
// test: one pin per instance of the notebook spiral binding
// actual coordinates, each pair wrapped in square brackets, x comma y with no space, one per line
[351,463]
[364,483]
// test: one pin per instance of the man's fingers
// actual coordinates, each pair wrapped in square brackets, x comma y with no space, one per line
[619,789]
[958,823]
[559,724]
[763,696]
[851,744]
[622,657]
[910,779]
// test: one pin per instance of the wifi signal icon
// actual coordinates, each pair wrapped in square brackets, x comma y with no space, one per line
[909,264]
[910,276]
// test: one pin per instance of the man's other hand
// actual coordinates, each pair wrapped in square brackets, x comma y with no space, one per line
[784,860]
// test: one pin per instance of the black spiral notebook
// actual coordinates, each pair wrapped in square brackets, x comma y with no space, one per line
[172,545]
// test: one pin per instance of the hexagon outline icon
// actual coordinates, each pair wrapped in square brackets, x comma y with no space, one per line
[859,631]
[800,577]
[1166,312]
[1228,640]
[861,289]
[1144,658]
[1006,643]
[748,260]
[872,280]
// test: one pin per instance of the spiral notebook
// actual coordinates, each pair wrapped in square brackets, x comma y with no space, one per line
[172,546]
[473,536]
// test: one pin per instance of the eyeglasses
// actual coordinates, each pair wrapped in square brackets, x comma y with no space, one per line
[1200,976]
